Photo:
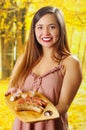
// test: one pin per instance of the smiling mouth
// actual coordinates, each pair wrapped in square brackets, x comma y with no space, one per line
[47,39]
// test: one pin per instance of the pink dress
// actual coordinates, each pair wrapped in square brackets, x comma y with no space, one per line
[50,85]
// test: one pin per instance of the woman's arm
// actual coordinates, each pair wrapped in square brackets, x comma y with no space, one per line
[71,82]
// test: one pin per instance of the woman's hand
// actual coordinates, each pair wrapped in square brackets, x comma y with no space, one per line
[13,91]
[10,91]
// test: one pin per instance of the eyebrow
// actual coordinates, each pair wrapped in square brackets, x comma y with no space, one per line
[42,24]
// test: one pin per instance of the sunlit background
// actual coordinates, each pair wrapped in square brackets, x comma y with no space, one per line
[15,20]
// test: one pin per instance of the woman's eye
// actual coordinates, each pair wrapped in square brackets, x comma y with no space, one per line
[52,27]
[39,27]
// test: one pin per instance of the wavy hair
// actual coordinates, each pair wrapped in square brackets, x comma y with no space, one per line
[33,50]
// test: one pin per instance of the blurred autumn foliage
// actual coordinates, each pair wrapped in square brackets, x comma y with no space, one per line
[15,19]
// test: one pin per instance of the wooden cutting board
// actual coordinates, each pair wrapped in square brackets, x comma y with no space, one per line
[32,116]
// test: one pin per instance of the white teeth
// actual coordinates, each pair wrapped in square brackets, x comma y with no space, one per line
[46,38]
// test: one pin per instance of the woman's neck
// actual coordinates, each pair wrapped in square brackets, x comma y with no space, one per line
[47,53]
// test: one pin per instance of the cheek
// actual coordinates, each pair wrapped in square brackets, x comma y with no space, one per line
[56,36]
[37,34]
[56,33]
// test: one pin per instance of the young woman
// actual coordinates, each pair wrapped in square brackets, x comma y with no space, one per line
[47,66]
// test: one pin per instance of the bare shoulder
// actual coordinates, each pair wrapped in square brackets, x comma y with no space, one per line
[72,66]
[73,69]
[18,62]
[71,61]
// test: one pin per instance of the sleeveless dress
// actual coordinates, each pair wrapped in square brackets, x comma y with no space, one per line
[49,84]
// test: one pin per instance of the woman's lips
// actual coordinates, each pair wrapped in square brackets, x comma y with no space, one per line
[46,39]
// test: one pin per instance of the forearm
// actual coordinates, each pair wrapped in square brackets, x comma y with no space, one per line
[62,108]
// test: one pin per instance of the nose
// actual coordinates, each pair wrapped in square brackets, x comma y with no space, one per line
[46,31]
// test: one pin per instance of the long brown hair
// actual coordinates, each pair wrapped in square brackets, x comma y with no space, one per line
[33,50]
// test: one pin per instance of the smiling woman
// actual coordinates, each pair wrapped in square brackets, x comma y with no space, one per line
[48,67]
[47,31]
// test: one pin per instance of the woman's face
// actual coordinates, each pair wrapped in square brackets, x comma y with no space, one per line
[47,31]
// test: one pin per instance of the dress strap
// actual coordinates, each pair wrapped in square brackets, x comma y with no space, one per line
[60,61]
[62,67]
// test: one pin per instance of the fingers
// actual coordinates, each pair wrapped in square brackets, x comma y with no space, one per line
[16,92]
[10,91]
